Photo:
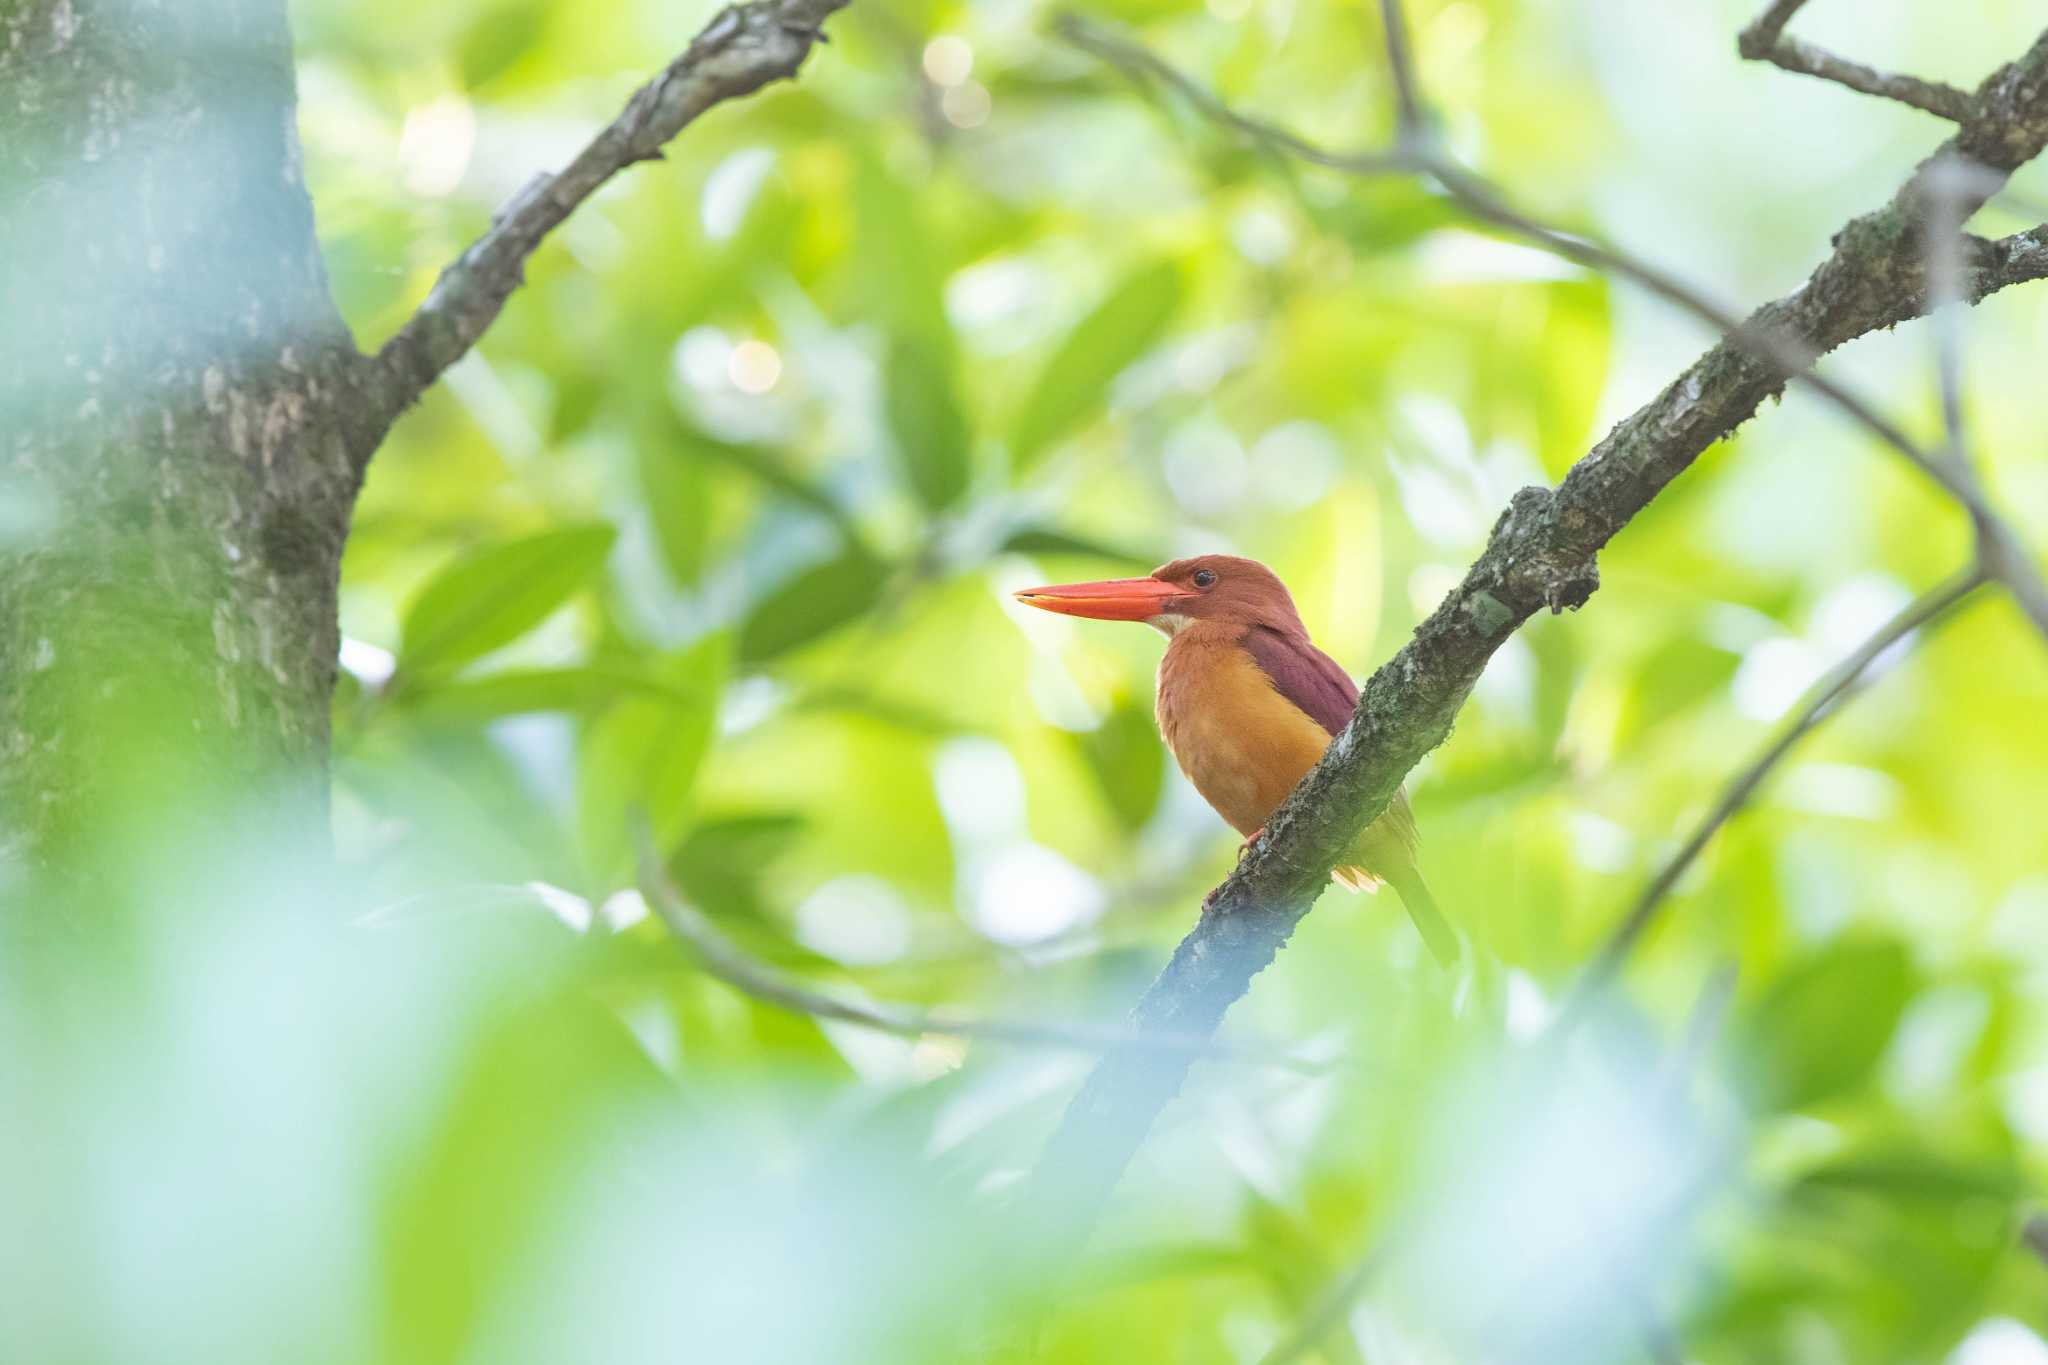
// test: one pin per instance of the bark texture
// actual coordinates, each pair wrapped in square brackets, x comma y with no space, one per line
[175,474]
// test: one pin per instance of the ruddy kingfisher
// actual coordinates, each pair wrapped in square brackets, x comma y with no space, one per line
[1247,704]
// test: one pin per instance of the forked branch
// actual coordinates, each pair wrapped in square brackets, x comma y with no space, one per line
[743,48]
[1765,41]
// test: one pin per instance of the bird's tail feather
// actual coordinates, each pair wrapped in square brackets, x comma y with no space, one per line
[1436,931]
[1355,879]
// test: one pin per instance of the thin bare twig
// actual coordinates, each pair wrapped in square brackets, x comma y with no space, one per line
[1764,41]
[1945,248]
[1407,99]
[2035,1234]
[2008,560]
[1137,61]
[2000,553]
[743,48]
[724,960]
[1817,705]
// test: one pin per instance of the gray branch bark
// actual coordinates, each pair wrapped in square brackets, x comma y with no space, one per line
[743,48]
[1541,554]
[1764,41]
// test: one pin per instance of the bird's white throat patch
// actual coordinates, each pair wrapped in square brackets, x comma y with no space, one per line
[1170,623]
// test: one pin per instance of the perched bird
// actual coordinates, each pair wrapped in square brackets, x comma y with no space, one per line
[1247,704]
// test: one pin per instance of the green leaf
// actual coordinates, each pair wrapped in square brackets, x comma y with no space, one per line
[1125,755]
[719,864]
[908,717]
[1076,380]
[925,418]
[1387,216]
[763,466]
[901,265]
[491,597]
[724,866]
[1823,1026]
[642,756]
[525,1104]
[818,600]
[672,480]
[1575,349]
[1910,1174]
[1681,673]
[499,36]
[1040,540]
[520,690]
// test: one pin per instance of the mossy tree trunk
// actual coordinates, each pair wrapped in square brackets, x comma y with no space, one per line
[177,464]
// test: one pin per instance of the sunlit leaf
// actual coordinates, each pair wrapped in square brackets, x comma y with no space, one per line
[491,597]
[1076,379]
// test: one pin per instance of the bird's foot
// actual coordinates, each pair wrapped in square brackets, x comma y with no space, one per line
[1249,840]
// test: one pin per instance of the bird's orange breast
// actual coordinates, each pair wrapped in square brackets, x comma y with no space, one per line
[1241,743]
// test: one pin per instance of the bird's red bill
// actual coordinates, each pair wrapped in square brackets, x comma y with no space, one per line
[1110,599]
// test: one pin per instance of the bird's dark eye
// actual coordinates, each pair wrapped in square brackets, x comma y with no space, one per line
[1205,578]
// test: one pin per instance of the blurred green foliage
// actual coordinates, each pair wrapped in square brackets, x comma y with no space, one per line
[718,527]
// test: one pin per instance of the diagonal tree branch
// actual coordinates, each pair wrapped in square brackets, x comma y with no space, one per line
[1540,554]
[743,48]
[1764,41]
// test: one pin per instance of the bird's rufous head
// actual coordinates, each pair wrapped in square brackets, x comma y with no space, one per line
[1206,587]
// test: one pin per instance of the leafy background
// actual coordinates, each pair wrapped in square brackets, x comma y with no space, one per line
[719,525]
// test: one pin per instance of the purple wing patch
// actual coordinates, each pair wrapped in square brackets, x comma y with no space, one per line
[1304,675]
